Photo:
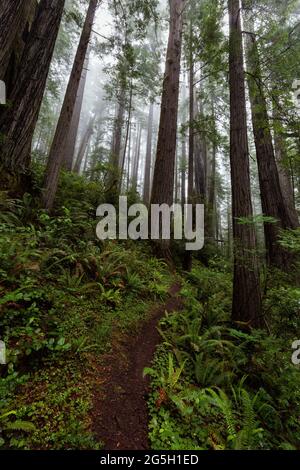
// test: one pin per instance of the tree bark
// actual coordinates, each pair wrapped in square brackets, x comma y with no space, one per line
[21,37]
[16,18]
[211,209]
[147,177]
[183,169]
[136,161]
[83,146]
[200,159]
[56,154]
[281,156]
[273,203]
[191,121]
[129,158]
[17,122]
[115,173]
[246,306]
[126,137]
[163,180]
[74,126]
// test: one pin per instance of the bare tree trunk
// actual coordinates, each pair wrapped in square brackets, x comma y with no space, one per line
[272,200]
[83,146]
[200,156]
[211,210]
[183,170]
[163,181]
[70,144]
[15,17]
[56,154]
[115,159]
[281,156]
[229,231]
[118,134]
[15,41]
[126,137]
[11,18]
[176,185]
[129,158]
[191,121]
[188,259]
[146,196]
[18,121]
[86,158]
[136,162]
[246,284]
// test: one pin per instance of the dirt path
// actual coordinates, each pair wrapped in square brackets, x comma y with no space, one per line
[120,410]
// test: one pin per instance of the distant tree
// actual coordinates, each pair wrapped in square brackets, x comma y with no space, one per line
[56,155]
[70,142]
[15,37]
[148,161]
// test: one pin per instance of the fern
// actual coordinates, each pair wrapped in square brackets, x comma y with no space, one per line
[221,400]
[20,426]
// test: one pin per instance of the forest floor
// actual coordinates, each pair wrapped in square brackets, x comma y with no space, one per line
[120,415]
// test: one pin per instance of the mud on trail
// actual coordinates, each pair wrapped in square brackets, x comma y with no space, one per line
[120,416]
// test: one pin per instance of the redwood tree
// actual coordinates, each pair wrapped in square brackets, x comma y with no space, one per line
[70,142]
[147,178]
[11,21]
[273,202]
[56,154]
[18,121]
[246,286]
[163,179]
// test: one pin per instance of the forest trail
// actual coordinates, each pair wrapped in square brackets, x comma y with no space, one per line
[120,417]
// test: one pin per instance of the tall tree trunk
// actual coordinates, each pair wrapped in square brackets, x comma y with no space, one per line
[136,162]
[188,259]
[11,18]
[83,146]
[176,185]
[70,144]
[183,169]
[273,203]
[281,155]
[17,122]
[117,142]
[56,154]
[229,231]
[184,161]
[200,158]
[115,159]
[163,180]
[191,120]
[16,18]
[246,284]
[126,137]
[129,158]
[147,177]
[211,209]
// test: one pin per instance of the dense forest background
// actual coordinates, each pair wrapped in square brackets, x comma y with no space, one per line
[183,101]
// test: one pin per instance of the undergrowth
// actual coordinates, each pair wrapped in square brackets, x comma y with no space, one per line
[216,387]
[62,295]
